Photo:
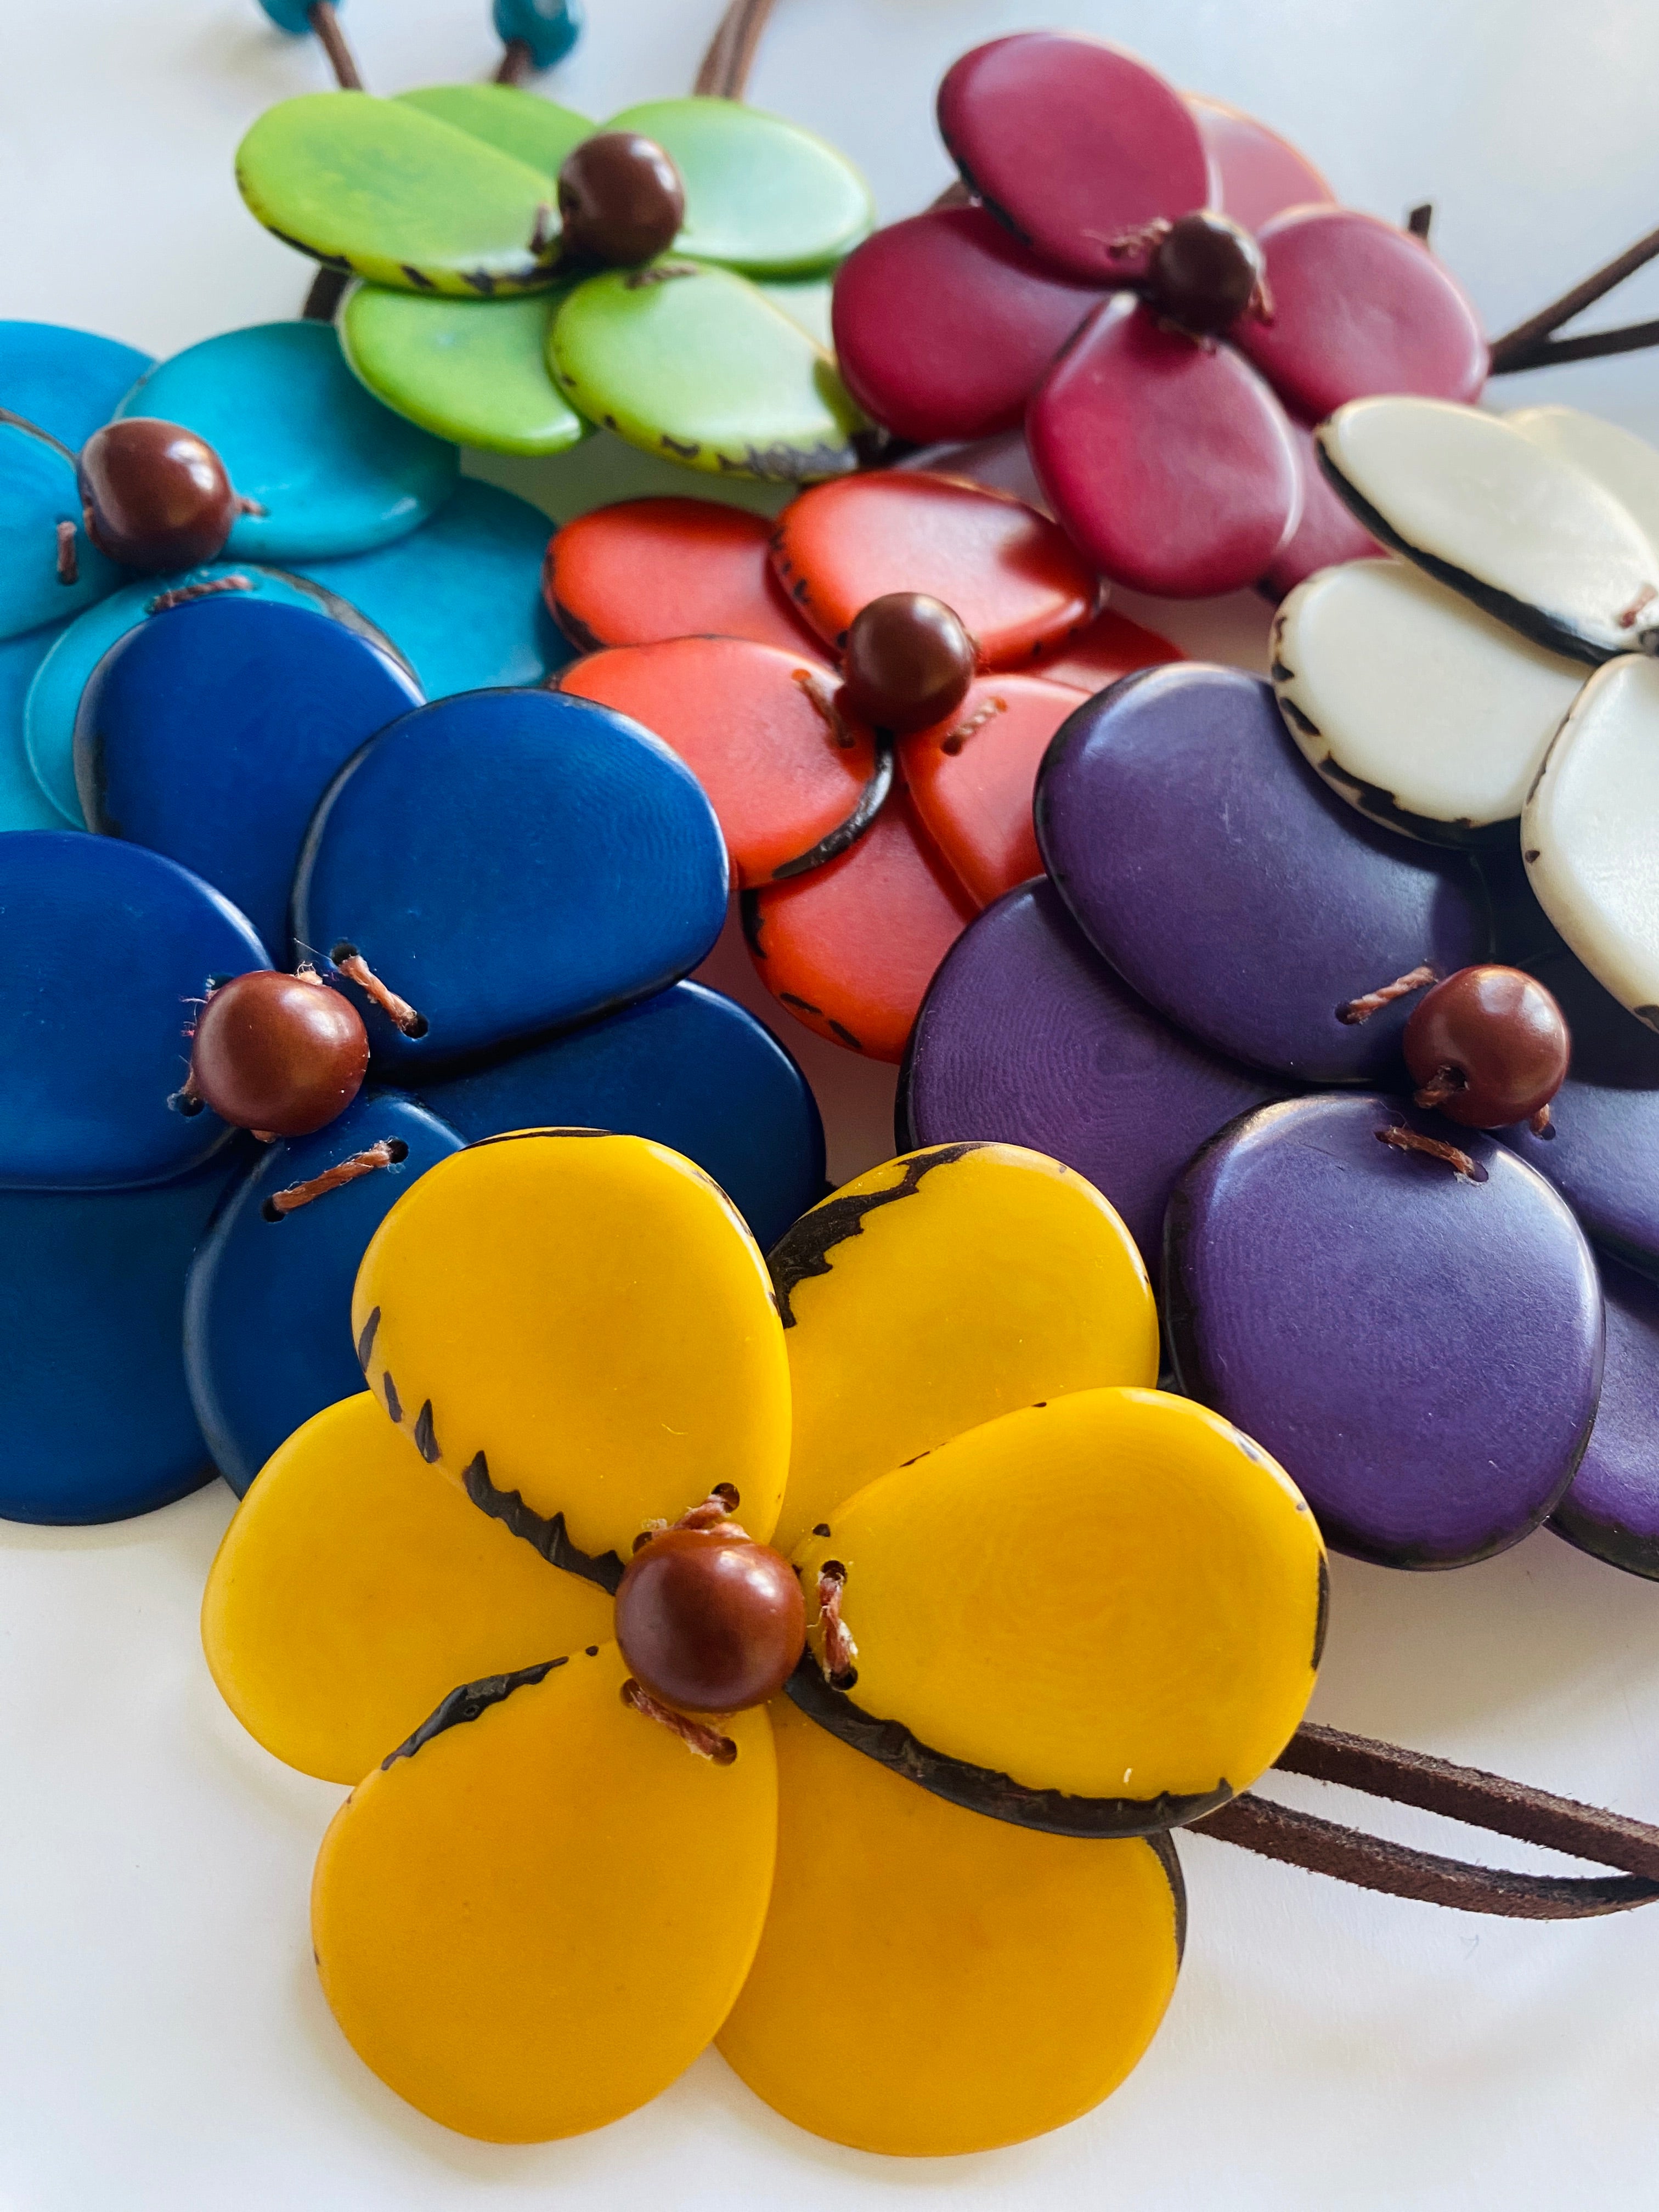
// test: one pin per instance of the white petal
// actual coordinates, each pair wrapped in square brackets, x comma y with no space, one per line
[1620,462]
[1421,711]
[1508,522]
[1590,832]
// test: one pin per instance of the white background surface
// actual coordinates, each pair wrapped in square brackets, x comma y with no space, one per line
[162,2039]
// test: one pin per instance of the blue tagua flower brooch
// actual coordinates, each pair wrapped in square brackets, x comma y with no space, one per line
[342,914]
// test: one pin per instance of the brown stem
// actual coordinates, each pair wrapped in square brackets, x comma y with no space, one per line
[1402,1139]
[1420,221]
[839,1649]
[1510,352]
[1355,1011]
[724,73]
[518,63]
[707,1742]
[323,300]
[351,963]
[332,39]
[380,1155]
[68,561]
[1457,1793]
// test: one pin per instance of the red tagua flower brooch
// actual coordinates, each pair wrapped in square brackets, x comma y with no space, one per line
[1165,293]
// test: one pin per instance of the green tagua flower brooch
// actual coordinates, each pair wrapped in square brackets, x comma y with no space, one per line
[526,276]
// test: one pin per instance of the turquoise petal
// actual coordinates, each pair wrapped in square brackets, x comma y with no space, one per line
[69,381]
[462,601]
[54,696]
[23,804]
[338,472]
[38,491]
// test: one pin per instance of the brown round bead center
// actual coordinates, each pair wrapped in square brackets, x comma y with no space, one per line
[155,495]
[907,662]
[709,1620]
[621,202]
[282,1054]
[1204,273]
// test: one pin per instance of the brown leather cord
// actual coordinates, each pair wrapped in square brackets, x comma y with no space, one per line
[730,55]
[1456,1793]
[332,39]
[1530,345]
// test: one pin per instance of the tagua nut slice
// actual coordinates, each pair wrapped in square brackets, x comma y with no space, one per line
[1423,713]
[1173,469]
[578,1326]
[489,1906]
[378,189]
[971,779]
[1072,144]
[1030,1976]
[792,775]
[1260,173]
[1517,528]
[937,1291]
[1098,1616]
[647,569]
[356,1586]
[1588,832]
[538,132]
[1007,572]
[1326,533]
[850,947]
[474,371]
[1621,463]
[1110,648]
[687,360]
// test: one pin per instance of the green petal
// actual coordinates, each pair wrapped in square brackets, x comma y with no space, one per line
[378,188]
[472,370]
[692,362]
[761,194]
[533,130]
[806,300]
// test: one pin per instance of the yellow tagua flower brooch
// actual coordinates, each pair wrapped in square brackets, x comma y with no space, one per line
[836,1647]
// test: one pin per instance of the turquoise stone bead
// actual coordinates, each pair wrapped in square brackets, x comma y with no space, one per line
[67,381]
[337,472]
[548,27]
[293,16]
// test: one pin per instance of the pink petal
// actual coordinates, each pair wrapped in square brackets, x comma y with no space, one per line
[943,324]
[1360,307]
[1172,465]
[1259,174]
[1327,535]
[1072,144]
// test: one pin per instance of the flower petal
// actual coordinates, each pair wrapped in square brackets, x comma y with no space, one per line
[68,382]
[684,359]
[472,370]
[1072,143]
[939,1291]
[1612,1508]
[490,1905]
[930,1982]
[971,779]
[1621,463]
[647,569]
[1260,173]
[536,132]
[38,490]
[1008,571]
[1028,1035]
[850,948]
[944,322]
[1112,646]
[23,801]
[1102,1615]
[1171,465]
[1417,708]
[583,1321]
[793,776]
[1588,832]
[1326,535]
[1358,307]
[356,1586]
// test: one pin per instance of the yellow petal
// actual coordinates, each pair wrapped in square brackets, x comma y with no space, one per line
[355,1587]
[533,1924]
[931,1982]
[937,1291]
[582,1320]
[1115,1596]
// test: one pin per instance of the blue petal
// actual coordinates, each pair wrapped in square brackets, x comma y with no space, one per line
[268,1317]
[99,1422]
[54,697]
[104,951]
[688,1068]
[69,381]
[23,804]
[338,472]
[462,601]
[511,862]
[210,732]
[38,490]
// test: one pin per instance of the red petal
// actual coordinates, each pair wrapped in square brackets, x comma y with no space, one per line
[1327,535]
[1111,646]
[1259,173]
[1012,576]
[777,773]
[1072,144]
[1360,307]
[650,569]
[1171,465]
[943,324]
[851,949]
[971,779]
